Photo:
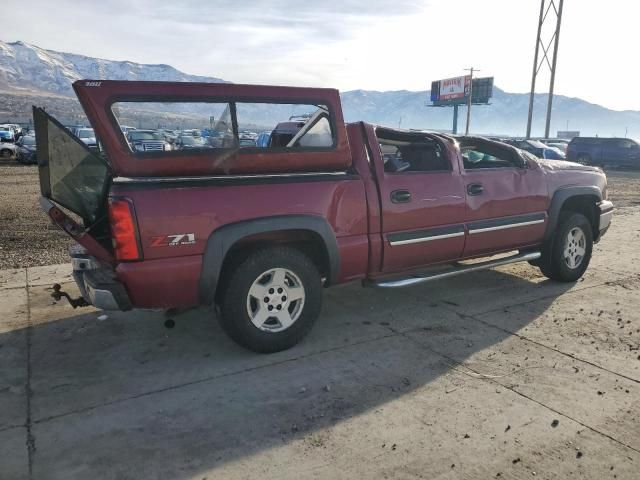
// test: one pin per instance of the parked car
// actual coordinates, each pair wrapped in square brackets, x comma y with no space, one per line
[8,150]
[260,232]
[7,134]
[186,142]
[537,148]
[168,135]
[17,129]
[87,136]
[247,135]
[559,143]
[26,149]
[263,139]
[147,141]
[604,152]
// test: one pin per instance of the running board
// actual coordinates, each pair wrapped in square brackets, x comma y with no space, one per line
[415,279]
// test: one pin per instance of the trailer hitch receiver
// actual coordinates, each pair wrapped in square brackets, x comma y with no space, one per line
[74,302]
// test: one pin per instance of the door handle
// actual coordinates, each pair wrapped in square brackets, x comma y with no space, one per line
[475,189]
[400,196]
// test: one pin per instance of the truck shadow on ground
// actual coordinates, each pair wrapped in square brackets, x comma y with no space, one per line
[130,399]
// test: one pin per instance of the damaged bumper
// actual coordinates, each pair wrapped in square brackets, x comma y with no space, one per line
[97,283]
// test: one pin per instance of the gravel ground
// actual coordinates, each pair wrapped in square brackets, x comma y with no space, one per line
[27,238]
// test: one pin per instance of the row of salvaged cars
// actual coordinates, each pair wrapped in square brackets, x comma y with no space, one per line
[145,140]
[20,143]
[17,142]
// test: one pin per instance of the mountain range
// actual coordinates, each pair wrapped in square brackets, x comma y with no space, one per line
[33,75]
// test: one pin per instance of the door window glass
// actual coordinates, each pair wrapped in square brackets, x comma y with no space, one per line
[410,152]
[479,153]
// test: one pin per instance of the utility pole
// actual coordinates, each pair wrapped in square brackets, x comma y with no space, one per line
[469,99]
[545,9]
[553,69]
[535,70]
[454,130]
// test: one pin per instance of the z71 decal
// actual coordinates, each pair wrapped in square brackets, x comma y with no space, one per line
[174,240]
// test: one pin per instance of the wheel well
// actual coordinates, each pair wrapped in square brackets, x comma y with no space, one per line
[586,205]
[308,242]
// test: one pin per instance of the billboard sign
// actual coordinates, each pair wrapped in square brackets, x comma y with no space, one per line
[453,88]
[568,134]
[455,91]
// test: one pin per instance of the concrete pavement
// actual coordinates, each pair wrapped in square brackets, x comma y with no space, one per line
[497,374]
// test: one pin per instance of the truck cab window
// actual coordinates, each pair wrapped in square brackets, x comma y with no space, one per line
[481,153]
[410,152]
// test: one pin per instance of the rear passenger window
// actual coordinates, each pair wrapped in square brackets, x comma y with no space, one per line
[479,153]
[169,127]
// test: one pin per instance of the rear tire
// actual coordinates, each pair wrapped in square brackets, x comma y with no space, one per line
[271,300]
[566,256]
[6,153]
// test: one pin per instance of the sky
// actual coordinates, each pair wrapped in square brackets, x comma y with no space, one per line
[349,44]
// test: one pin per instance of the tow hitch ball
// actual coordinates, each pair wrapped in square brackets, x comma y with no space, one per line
[58,294]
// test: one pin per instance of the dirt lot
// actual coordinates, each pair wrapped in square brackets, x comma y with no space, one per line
[27,239]
[496,374]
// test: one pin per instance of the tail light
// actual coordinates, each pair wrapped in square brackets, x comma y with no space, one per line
[124,230]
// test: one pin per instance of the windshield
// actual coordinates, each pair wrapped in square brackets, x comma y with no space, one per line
[536,144]
[86,133]
[137,136]
[28,140]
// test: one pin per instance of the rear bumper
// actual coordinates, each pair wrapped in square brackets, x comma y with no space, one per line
[162,283]
[605,209]
[97,283]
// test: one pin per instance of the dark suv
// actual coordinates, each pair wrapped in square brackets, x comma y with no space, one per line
[611,152]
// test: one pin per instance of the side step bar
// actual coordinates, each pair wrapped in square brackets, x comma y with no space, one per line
[458,270]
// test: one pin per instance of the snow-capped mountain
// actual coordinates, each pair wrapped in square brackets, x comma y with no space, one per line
[28,68]
[32,75]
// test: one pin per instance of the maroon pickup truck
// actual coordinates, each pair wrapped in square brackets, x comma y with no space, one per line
[258,228]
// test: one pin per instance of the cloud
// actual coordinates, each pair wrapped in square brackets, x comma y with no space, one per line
[371,44]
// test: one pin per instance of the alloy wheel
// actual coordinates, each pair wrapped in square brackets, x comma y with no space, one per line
[574,247]
[275,300]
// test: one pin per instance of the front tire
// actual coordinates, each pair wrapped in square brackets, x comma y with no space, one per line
[566,257]
[271,300]
[584,159]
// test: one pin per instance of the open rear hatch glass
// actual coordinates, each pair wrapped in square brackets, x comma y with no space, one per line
[74,177]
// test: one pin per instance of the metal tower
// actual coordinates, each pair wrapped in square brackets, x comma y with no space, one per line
[555,8]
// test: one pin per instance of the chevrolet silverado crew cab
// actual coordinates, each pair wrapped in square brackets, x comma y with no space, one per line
[259,230]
